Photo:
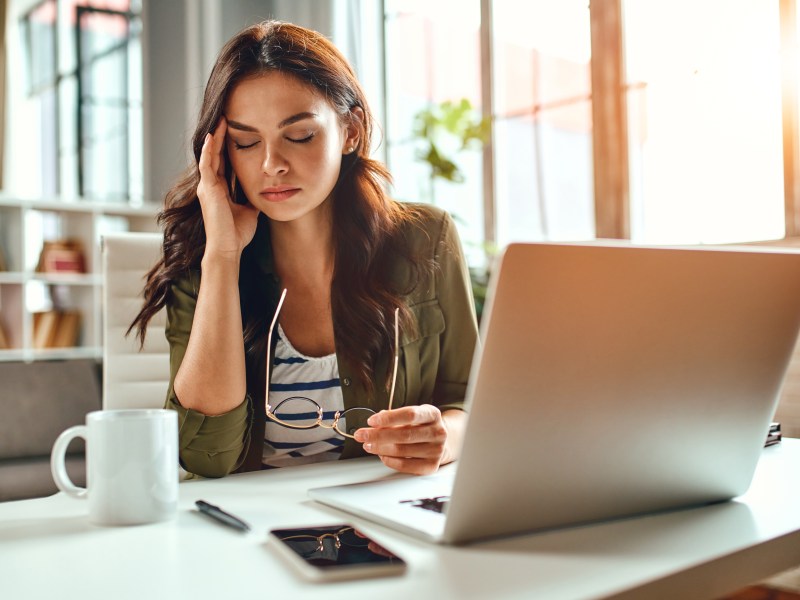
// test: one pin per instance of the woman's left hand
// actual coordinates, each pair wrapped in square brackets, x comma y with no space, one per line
[411,439]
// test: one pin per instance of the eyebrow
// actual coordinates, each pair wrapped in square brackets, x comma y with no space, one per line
[285,123]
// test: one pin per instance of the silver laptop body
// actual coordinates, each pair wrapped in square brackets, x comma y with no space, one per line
[611,380]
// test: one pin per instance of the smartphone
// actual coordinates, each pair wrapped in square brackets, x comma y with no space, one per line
[335,553]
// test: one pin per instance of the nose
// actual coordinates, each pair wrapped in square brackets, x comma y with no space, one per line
[274,163]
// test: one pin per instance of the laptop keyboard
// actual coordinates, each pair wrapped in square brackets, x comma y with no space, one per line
[437,504]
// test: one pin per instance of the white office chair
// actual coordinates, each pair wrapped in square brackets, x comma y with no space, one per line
[132,378]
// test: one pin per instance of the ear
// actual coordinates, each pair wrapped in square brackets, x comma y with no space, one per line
[353,130]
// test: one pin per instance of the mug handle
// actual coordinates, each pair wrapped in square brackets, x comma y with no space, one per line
[58,465]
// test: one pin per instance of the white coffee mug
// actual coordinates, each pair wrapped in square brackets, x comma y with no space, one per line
[131,465]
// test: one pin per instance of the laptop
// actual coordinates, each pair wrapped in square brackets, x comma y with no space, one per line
[611,380]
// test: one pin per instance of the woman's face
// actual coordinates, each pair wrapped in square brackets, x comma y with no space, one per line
[285,144]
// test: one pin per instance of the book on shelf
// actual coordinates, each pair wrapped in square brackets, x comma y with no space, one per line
[56,329]
[61,256]
[66,335]
[4,343]
[44,329]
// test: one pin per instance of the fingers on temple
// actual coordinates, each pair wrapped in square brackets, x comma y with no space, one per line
[204,164]
[219,140]
[210,163]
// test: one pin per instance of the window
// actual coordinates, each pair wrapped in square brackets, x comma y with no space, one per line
[543,120]
[433,57]
[707,155]
[84,74]
[704,116]
[39,37]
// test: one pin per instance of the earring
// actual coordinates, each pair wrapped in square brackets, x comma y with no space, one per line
[233,187]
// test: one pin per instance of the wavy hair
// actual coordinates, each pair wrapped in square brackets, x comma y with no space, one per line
[367,224]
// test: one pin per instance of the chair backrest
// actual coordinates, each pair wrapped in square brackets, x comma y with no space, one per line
[132,378]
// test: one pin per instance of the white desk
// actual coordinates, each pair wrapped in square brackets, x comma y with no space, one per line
[48,550]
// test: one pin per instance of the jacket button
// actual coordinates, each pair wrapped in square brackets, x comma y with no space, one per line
[346,382]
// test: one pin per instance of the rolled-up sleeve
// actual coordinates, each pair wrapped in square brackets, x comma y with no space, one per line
[210,446]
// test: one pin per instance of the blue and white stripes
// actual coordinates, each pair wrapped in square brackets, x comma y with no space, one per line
[296,375]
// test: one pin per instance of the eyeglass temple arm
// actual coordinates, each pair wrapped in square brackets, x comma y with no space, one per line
[396,354]
[396,348]
[269,343]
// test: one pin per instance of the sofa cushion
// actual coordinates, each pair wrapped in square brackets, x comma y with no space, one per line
[30,477]
[39,400]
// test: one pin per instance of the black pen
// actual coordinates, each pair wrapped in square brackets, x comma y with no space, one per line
[215,512]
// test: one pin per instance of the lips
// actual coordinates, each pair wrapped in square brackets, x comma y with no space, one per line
[279,193]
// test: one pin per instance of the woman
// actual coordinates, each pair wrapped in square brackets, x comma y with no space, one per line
[284,196]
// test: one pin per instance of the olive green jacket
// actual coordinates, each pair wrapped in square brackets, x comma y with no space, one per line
[434,361]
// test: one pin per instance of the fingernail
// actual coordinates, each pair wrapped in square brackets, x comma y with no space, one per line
[368,447]
[360,436]
[208,137]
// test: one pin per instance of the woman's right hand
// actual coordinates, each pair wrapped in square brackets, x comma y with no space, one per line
[229,226]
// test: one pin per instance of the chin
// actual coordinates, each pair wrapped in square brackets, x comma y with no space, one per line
[283,213]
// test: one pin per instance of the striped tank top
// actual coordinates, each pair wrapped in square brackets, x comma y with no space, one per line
[295,375]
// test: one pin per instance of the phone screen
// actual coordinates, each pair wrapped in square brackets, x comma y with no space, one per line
[334,546]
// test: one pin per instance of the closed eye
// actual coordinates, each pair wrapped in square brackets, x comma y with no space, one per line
[304,140]
[239,146]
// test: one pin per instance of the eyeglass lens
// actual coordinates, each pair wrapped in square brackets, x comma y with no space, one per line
[304,413]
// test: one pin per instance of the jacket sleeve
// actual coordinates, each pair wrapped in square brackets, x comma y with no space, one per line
[460,335]
[210,446]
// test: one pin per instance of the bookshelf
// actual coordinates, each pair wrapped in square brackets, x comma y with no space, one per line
[25,293]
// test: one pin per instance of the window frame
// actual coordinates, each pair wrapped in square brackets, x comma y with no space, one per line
[609,114]
[789,115]
[57,82]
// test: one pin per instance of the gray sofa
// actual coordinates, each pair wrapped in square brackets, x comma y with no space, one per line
[38,401]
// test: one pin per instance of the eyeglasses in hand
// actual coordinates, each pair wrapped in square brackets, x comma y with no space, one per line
[299,412]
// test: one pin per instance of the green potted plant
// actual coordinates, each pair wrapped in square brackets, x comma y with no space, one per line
[457,121]
[456,126]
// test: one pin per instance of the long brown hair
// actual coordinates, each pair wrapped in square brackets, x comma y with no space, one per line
[367,225]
